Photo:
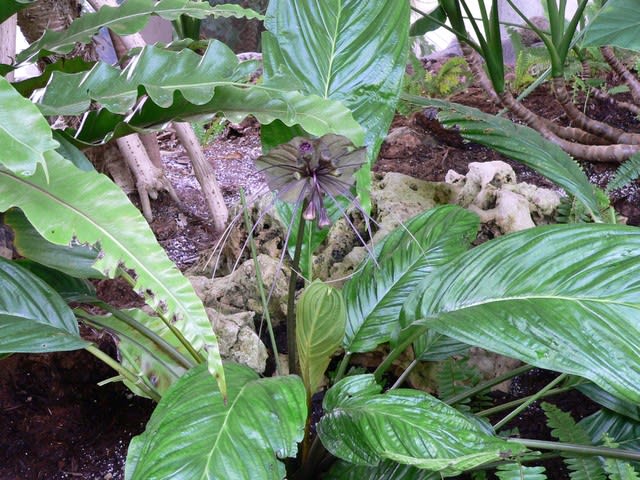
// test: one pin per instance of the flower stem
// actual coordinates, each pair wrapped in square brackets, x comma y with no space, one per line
[263,298]
[291,304]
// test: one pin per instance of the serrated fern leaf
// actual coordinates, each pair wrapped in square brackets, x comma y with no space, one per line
[565,429]
[570,210]
[626,173]
[516,471]
[618,469]
[455,376]
[130,17]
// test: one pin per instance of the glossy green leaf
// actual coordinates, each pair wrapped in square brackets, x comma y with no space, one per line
[71,289]
[76,260]
[607,424]
[139,353]
[604,398]
[386,470]
[616,25]
[365,427]
[517,471]
[346,50]
[560,297]
[130,17]
[517,142]
[9,7]
[87,208]
[33,317]
[193,435]
[25,135]
[374,295]
[320,324]
[428,23]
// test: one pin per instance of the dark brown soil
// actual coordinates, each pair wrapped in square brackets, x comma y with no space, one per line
[56,423]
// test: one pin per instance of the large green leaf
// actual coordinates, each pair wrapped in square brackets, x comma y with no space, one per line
[620,429]
[79,207]
[183,85]
[365,427]
[9,7]
[386,470]
[320,323]
[130,17]
[24,133]
[76,260]
[193,434]
[561,297]
[616,24]
[346,50]
[611,402]
[375,294]
[33,317]
[518,142]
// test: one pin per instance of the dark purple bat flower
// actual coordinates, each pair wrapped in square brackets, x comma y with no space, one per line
[307,171]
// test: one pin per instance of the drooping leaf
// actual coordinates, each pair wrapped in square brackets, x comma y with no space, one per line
[25,135]
[564,428]
[604,398]
[374,296]
[365,427]
[9,7]
[130,17]
[68,65]
[320,324]
[141,354]
[428,23]
[71,289]
[76,260]
[386,470]
[193,434]
[558,297]
[517,142]
[87,208]
[33,317]
[69,151]
[607,424]
[346,50]
[616,24]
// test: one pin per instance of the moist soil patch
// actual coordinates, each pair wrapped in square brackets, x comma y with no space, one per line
[57,423]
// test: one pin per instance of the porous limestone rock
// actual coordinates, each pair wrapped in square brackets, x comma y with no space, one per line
[238,339]
[490,189]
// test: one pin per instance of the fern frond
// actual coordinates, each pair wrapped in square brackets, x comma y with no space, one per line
[516,471]
[618,469]
[455,376]
[570,210]
[626,173]
[564,428]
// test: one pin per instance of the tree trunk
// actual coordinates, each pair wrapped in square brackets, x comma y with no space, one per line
[8,43]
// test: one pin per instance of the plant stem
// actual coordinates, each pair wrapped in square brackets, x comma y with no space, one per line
[187,345]
[405,374]
[291,303]
[488,384]
[529,401]
[514,403]
[579,449]
[130,376]
[342,368]
[263,298]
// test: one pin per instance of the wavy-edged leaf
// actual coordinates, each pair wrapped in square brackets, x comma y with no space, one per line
[564,428]
[33,317]
[87,208]
[616,24]
[9,7]
[193,434]
[518,142]
[130,17]
[76,260]
[25,135]
[374,296]
[565,298]
[346,50]
[386,470]
[320,324]
[364,427]
[140,353]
